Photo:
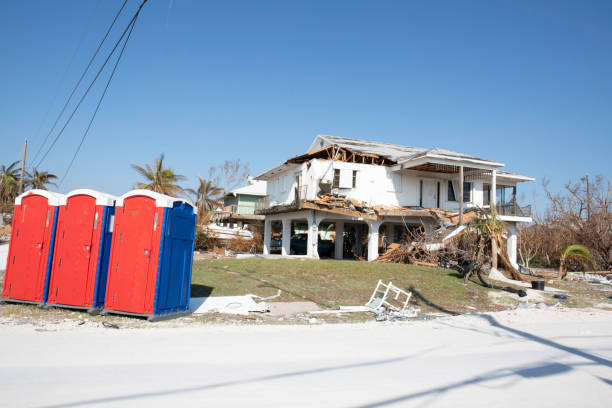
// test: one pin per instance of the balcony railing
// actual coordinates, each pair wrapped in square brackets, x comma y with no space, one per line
[514,210]
[262,203]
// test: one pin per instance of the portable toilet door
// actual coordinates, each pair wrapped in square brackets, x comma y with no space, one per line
[151,256]
[82,249]
[31,247]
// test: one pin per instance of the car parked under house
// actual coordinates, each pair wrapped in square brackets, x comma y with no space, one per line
[385,191]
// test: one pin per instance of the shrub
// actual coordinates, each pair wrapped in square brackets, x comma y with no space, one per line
[204,240]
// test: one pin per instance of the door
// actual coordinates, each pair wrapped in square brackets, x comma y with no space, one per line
[130,269]
[27,266]
[73,273]
[429,193]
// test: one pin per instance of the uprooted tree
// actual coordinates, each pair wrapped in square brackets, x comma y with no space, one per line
[469,252]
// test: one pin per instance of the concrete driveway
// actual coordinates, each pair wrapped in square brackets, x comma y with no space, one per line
[508,359]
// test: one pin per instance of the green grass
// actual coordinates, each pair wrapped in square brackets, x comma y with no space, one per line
[334,283]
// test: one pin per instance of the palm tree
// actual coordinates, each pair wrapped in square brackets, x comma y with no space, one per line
[207,197]
[160,179]
[40,179]
[578,252]
[9,182]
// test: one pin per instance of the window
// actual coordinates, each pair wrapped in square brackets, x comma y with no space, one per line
[354,178]
[344,178]
[467,191]
[486,194]
[336,182]
[397,182]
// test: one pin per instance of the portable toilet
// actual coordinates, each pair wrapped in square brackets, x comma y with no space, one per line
[82,249]
[151,256]
[31,247]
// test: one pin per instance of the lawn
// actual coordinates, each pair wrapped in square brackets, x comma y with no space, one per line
[331,283]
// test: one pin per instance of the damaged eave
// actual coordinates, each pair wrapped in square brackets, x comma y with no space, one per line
[343,154]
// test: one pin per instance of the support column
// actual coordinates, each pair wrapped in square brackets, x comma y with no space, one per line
[339,242]
[511,243]
[493,203]
[313,237]
[267,236]
[286,248]
[460,195]
[373,239]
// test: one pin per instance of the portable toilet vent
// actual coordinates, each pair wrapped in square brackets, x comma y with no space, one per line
[31,247]
[151,256]
[82,249]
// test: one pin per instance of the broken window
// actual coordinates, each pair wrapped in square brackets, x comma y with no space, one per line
[354,178]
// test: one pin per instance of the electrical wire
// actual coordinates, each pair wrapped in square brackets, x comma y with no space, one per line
[92,82]
[78,83]
[65,74]
[99,102]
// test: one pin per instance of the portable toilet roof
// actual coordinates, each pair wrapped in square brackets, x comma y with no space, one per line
[52,198]
[161,200]
[82,249]
[101,198]
[31,246]
[151,256]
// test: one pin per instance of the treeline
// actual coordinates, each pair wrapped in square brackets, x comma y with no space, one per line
[578,216]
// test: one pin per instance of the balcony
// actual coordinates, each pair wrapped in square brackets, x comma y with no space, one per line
[514,210]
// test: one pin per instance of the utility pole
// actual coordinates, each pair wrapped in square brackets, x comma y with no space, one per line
[588,197]
[25,147]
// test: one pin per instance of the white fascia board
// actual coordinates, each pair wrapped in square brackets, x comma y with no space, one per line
[514,218]
[270,174]
[514,177]
[477,164]
[101,198]
[52,198]
[161,200]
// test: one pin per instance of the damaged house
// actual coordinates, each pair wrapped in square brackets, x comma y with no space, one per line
[362,195]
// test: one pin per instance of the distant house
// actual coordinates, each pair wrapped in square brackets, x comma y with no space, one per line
[395,184]
[237,216]
[244,200]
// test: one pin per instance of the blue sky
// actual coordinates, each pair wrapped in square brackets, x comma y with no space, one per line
[521,82]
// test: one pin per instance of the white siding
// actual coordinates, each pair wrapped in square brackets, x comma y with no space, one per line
[376,185]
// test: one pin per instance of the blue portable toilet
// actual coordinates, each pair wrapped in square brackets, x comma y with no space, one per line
[151,256]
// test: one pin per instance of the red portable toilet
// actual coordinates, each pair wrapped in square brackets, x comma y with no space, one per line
[31,247]
[151,256]
[82,250]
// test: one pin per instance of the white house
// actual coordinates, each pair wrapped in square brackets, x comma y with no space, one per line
[394,182]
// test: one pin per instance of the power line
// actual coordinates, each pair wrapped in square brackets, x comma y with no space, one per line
[91,84]
[78,83]
[100,100]
[65,74]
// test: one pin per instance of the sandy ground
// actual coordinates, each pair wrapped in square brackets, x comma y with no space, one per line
[545,358]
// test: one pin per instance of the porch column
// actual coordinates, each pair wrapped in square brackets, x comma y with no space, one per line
[286,248]
[373,239]
[267,236]
[511,243]
[313,237]
[493,203]
[339,242]
[460,195]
